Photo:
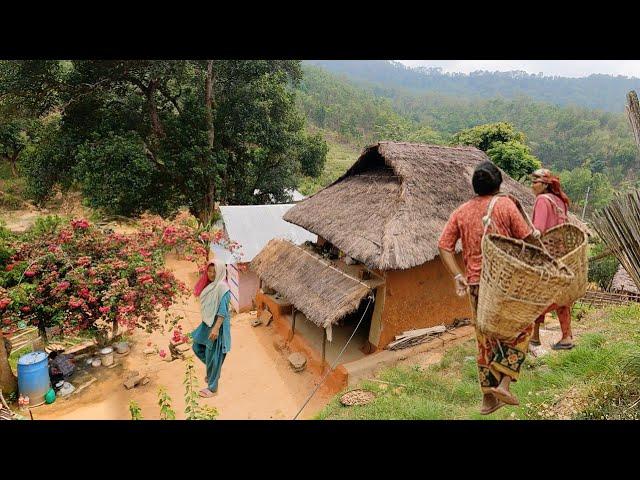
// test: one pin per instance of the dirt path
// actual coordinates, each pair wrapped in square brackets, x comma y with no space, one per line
[256,381]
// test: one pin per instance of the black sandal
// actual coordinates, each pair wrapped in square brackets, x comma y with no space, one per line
[562,346]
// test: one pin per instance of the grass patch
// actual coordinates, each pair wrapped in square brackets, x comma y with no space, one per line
[339,158]
[568,384]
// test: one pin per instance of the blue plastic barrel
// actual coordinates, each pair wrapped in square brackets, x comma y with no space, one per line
[33,377]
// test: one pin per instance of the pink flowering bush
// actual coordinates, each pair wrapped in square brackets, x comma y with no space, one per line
[82,279]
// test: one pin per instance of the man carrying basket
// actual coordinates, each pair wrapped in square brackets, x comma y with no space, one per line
[499,362]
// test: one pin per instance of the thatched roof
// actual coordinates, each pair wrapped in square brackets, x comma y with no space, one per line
[623,282]
[389,208]
[312,284]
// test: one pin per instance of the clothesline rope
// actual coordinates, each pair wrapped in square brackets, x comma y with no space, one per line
[336,360]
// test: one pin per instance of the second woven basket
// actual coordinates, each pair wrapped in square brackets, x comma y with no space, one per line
[568,243]
[518,282]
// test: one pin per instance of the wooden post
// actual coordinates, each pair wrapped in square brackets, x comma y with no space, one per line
[586,200]
[324,345]
[293,322]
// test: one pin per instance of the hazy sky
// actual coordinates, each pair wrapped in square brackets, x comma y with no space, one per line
[565,68]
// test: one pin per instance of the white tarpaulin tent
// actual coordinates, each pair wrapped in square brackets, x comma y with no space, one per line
[252,227]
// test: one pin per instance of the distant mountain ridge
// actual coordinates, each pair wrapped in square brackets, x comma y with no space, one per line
[388,78]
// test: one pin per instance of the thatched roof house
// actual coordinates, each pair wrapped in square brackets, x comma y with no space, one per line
[622,282]
[389,208]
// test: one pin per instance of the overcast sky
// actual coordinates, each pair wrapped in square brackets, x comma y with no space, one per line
[565,68]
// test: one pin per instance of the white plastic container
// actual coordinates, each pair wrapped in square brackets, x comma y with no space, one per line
[107,356]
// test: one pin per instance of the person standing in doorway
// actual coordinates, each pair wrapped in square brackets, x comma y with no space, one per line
[212,338]
[551,209]
[499,362]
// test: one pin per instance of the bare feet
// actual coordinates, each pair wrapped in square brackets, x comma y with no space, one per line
[502,392]
[206,393]
[490,404]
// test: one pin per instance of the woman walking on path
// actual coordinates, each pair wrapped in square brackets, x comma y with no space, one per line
[550,209]
[212,338]
[499,362]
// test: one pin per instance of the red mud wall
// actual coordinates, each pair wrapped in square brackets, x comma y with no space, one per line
[420,297]
[282,325]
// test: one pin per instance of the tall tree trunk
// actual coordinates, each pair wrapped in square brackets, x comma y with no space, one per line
[153,110]
[205,213]
[208,101]
[14,164]
[8,381]
[633,112]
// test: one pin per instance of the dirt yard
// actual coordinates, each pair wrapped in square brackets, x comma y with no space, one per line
[257,381]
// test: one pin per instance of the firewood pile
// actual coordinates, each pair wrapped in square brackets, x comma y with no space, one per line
[411,338]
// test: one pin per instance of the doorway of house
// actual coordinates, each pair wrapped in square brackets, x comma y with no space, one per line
[341,332]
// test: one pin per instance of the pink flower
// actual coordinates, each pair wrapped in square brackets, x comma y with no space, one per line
[29,273]
[145,279]
[162,353]
[84,260]
[104,309]
[4,303]
[80,224]
[75,302]
[64,236]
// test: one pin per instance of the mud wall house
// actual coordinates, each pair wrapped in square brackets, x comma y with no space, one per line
[385,215]
[252,226]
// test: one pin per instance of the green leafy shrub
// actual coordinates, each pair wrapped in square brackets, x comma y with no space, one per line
[601,271]
[193,410]
[134,409]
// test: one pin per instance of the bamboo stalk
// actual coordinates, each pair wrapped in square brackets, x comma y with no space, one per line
[619,227]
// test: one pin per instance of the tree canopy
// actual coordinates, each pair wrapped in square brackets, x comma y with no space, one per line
[158,134]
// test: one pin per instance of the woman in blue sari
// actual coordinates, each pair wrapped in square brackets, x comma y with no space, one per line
[212,338]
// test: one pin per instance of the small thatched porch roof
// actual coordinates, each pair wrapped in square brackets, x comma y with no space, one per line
[321,291]
[623,282]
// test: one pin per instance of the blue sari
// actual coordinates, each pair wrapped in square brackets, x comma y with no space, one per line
[213,353]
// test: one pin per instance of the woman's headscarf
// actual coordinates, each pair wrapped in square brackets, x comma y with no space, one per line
[211,293]
[544,175]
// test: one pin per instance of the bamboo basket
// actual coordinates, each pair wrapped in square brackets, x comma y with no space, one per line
[518,282]
[568,244]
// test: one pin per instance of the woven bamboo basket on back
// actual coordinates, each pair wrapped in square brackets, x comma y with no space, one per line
[568,243]
[518,282]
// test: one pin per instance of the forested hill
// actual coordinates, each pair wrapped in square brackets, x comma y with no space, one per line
[588,146]
[603,92]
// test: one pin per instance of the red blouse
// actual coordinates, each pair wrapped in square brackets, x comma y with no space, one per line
[465,223]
